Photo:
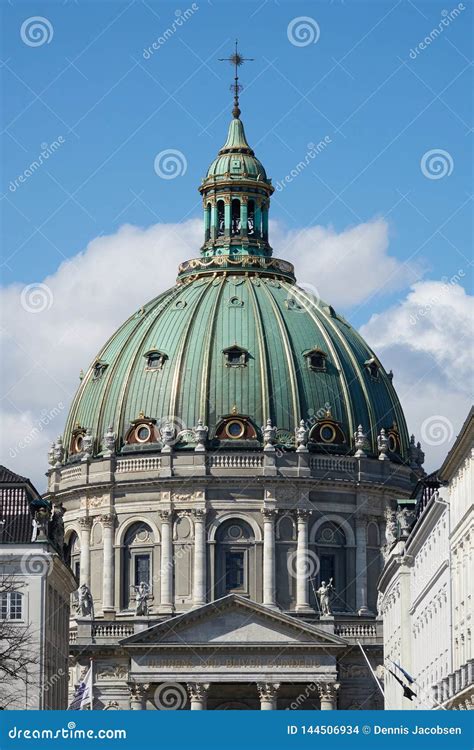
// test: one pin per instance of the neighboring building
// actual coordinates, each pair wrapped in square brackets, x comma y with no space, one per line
[233,445]
[426,587]
[35,588]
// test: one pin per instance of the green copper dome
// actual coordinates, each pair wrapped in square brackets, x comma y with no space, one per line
[234,344]
[236,159]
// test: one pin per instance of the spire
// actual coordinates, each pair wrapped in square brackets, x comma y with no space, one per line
[236,60]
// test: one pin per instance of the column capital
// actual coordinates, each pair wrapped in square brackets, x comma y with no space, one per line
[85,522]
[303,514]
[198,691]
[138,690]
[268,691]
[108,520]
[165,515]
[199,514]
[269,514]
[328,690]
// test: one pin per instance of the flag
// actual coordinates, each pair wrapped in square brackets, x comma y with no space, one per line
[407,691]
[83,695]
[410,679]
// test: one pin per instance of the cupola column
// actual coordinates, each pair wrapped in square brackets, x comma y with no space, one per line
[199,589]
[166,570]
[213,221]
[361,565]
[269,557]
[227,216]
[85,560]
[303,562]
[108,577]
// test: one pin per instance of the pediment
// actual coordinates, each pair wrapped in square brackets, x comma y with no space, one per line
[234,621]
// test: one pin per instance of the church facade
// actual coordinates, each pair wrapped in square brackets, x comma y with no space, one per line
[226,470]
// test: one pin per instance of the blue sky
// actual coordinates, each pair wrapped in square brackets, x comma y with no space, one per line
[116,110]
[353,73]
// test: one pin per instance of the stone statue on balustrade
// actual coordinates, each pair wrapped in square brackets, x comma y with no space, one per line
[84,602]
[142,593]
[324,594]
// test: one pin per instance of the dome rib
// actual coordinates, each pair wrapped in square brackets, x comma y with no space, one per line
[264,364]
[205,383]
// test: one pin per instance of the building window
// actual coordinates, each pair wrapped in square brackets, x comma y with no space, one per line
[316,359]
[235,558]
[11,606]
[251,218]
[235,216]
[234,570]
[155,359]
[99,369]
[137,560]
[220,219]
[235,356]
[372,368]
[331,551]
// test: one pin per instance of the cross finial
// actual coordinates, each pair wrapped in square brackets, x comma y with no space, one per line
[236,60]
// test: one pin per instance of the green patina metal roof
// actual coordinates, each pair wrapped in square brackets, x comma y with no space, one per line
[251,302]
[236,147]
[194,322]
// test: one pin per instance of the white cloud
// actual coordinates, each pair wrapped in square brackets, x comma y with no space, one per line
[345,267]
[426,339]
[89,296]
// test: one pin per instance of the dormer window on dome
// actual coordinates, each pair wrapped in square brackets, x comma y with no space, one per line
[316,359]
[99,369]
[236,426]
[373,367]
[77,440]
[327,431]
[235,356]
[142,430]
[155,359]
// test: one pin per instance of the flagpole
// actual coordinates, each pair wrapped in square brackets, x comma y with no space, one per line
[372,671]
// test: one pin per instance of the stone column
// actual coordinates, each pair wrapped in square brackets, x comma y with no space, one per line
[227,216]
[108,578]
[85,560]
[213,221]
[304,563]
[137,696]
[269,557]
[197,692]
[267,692]
[327,693]
[166,567]
[361,566]
[199,589]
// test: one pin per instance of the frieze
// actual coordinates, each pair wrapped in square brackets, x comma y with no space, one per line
[112,672]
[241,662]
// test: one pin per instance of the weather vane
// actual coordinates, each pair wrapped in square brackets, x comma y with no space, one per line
[236,60]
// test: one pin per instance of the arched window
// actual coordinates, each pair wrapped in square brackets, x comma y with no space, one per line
[73,554]
[137,560]
[220,219]
[207,222]
[251,218]
[331,551]
[235,220]
[235,558]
